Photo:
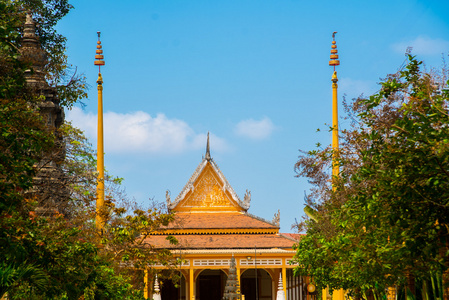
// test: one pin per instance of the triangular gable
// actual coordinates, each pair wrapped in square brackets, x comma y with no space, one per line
[208,190]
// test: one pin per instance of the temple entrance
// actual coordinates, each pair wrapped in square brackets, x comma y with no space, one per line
[210,285]
[170,291]
[248,285]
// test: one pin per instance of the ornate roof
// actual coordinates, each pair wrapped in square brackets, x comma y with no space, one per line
[210,215]
[208,190]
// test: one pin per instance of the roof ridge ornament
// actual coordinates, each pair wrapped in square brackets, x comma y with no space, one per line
[259,218]
[167,198]
[277,218]
[247,200]
[207,157]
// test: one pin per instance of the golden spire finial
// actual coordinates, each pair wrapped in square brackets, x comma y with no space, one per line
[334,56]
[99,56]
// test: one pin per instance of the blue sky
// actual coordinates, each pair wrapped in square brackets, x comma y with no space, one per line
[254,74]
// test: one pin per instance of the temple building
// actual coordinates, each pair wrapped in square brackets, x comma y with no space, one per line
[212,225]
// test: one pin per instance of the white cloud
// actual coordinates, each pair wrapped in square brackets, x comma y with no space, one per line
[355,87]
[139,132]
[423,45]
[253,129]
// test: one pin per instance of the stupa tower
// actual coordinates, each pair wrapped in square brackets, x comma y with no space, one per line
[35,58]
[48,186]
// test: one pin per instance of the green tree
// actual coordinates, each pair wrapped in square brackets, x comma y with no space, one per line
[63,255]
[385,223]
[59,254]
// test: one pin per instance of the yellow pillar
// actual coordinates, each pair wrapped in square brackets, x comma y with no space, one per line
[284,280]
[238,279]
[338,295]
[335,167]
[146,289]
[100,156]
[324,294]
[191,284]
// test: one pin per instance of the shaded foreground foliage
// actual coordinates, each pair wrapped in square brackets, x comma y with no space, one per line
[386,222]
[49,246]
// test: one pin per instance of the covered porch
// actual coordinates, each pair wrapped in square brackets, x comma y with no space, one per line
[204,274]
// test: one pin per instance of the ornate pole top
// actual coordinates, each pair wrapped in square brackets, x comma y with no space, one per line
[99,58]
[334,56]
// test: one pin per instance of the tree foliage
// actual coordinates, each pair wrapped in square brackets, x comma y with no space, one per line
[49,244]
[59,74]
[385,220]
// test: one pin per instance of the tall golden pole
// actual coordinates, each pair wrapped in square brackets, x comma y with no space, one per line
[334,62]
[337,294]
[99,220]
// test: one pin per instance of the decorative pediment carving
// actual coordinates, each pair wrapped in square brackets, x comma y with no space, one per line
[208,188]
[208,193]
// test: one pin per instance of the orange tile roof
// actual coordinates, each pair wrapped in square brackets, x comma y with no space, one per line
[223,241]
[230,220]
[293,236]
